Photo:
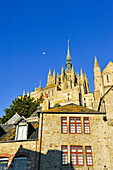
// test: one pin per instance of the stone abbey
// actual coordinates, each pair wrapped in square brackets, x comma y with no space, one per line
[70,87]
[77,135]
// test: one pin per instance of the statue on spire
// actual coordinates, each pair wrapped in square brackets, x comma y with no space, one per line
[68,60]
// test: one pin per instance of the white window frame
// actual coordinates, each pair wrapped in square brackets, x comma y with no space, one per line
[17,128]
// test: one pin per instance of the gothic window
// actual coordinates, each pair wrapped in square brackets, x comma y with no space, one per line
[64,155]
[3,163]
[75,125]
[86,125]
[20,163]
[48,93]
[64,125]
[107,77]
[84,101]
[21,132]
[89,159]
[77,155]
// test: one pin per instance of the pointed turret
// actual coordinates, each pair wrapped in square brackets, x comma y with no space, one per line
[49,78]
[98,81]
[96,63]
[82,81]
[49,72]
[82,76]
[57,78]
[85,76]
[62,74]
[54,76]
[62,70]
[72,69]
[28,94]
[87,84]
[54,73]
[23,93]
[68,60]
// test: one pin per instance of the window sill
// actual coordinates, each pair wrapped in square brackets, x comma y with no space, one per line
[11,141]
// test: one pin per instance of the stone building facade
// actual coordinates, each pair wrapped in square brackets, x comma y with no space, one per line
[77,135]
[69,137]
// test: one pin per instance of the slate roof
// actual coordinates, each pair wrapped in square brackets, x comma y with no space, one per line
[13,119]
[71,108]
[35,114]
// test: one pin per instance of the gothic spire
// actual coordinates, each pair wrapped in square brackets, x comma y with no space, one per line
[68,57]
[68,60]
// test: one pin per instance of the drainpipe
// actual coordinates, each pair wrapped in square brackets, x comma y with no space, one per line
[40,143]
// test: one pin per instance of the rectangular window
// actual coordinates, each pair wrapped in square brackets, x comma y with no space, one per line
[89,159]
[107,78]
[22,132]
[75,125]
[20,163]
[48,93]
[77,155]
[64,155]
[86,125]
[64,124]
[3,163]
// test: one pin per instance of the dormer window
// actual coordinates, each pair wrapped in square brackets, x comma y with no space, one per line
[107,78]
[21,132]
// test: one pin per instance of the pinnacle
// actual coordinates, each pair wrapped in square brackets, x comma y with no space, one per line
[81,71]
[72,69]
[85,76]
[49,71]
[96,63]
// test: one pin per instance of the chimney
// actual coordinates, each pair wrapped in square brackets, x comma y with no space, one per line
[46,103]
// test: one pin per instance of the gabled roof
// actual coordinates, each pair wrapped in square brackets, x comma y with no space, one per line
[108,67]
[35,114]
[10,130]
[71,108]
[13,119]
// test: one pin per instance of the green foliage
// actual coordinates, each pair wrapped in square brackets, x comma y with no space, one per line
[57,105]
[24,106]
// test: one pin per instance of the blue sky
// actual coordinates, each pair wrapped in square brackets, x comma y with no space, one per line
[27,28]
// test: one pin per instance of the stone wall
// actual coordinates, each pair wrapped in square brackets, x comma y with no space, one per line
[53,139]
[20,148]
[108,105]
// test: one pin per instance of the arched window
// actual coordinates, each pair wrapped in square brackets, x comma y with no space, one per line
[48,93]
[107,77]
[84,101]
